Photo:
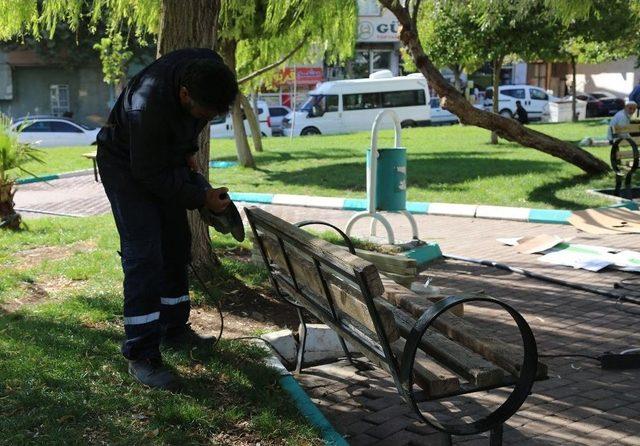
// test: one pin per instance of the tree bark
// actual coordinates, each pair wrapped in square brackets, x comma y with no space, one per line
[509,129]
[254,124]
[497,66]
[9,219]
[574,115]
[185,25]
[245,158]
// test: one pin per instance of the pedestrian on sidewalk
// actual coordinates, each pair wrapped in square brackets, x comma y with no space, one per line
[146,155]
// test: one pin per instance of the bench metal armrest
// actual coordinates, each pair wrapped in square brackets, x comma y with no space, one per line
[523,384]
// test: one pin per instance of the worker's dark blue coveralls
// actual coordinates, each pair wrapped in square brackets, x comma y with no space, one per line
[142,159]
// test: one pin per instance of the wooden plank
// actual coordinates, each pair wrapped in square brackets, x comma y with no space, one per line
[397,264]
[630,128]
[331,252]
[625,154]
[435,380]
[90,155]
[401,279]
[347,300]
[461,360]
[475,338]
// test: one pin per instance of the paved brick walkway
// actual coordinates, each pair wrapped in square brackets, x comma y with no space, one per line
[579,404]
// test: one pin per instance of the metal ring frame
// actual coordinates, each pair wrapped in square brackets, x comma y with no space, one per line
[522,386]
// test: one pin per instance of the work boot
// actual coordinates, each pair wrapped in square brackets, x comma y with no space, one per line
[185,337]
[151,372]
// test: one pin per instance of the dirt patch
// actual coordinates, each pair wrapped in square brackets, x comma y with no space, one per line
[30,258]
[38,292]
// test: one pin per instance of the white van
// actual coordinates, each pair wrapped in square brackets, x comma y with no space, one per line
[534,100]
[352,105]
[222,127]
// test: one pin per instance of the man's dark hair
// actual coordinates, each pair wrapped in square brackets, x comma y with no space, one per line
[210,83]
[518,103]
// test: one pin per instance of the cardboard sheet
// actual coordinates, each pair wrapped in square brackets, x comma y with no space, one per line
[539,243]
[606,221]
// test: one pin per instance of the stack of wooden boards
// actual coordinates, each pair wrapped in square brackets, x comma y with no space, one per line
[456,357]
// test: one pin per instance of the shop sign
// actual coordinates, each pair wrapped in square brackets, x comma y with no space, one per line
[378,29]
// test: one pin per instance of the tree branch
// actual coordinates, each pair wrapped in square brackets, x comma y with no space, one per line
[506,128]
[275,64]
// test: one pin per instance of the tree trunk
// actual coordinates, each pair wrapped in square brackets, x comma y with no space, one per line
[9,219]
[252,119]
[574,115]
[497,66]
[185,25]
[506,128]
[245,158]
[457,81]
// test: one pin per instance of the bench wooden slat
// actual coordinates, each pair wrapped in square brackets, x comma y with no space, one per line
[475,338]
[346,300]
[459,359]
[356,342]
[630,128]
[333,253]
[90,155]
[627,154]
[435,380]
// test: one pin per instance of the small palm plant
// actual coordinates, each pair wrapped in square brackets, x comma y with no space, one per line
[13,156]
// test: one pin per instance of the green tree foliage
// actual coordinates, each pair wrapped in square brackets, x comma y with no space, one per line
[114,56]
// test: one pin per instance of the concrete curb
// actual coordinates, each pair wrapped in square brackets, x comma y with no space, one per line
[57,176]
[302,401]
[554,216]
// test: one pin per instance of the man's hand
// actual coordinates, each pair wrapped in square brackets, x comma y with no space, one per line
[192,163]
[217,199]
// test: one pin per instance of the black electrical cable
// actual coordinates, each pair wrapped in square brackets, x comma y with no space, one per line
[218,306]
[570,356]
[216,302]
[578,286]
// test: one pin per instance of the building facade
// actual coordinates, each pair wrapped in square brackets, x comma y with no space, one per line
[30,86]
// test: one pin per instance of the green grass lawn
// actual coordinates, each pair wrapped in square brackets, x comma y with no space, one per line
[63,380]
[452,164]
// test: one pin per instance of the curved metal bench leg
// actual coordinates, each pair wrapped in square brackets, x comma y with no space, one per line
[495,436]
[303,342]
[616,192]
[412,221]
[627,185]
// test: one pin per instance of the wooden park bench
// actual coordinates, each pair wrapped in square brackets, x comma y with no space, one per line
[92,157]
[388,324]
[625,162]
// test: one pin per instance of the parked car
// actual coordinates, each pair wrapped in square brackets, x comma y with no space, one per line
[51,131]
[352,105]
[439,115]
[534,100]
[278,112]
[223,127]
[601,103]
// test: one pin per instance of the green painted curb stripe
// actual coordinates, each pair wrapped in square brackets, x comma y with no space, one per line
[311,412]
[37,179]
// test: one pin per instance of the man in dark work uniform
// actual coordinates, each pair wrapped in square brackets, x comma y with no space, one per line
[146,160]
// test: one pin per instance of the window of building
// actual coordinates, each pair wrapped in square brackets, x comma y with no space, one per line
[59,99]
[517,93]
[539,74]
[370,61]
